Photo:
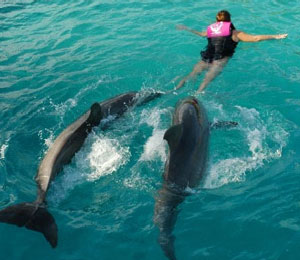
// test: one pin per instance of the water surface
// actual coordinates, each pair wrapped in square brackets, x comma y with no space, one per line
[58,57]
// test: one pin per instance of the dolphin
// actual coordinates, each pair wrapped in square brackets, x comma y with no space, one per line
[34,215]
[188,140]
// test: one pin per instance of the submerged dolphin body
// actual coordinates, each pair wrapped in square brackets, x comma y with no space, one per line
[34,215]
[185,166]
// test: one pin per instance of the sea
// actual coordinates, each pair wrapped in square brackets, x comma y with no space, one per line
[59,57]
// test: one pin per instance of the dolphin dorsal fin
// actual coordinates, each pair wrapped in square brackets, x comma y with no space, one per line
[95,114]
[173,134]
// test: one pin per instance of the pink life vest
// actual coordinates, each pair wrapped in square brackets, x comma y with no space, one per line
[218,29]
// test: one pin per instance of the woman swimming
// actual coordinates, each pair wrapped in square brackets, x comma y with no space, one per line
[222,40]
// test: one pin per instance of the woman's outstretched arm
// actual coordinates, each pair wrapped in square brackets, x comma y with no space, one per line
[185,28]
[244,37]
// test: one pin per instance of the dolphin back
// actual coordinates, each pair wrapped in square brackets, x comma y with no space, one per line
[33,217]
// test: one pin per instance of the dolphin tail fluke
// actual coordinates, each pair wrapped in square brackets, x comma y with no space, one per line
[32,216]
[166,242]
[147,97]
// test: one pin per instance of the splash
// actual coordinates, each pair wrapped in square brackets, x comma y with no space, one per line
[154,151]
[48,141]
[265,142]
[62,108]
[155,145]
[106,157]
[154,117]
[99,157]
[46,136]
[2,150]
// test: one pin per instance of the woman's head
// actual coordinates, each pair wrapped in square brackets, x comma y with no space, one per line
[223,16]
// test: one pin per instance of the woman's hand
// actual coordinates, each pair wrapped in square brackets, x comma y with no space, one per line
[181,27]
[281,36]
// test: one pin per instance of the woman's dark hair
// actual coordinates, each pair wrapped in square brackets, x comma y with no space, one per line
[223,16]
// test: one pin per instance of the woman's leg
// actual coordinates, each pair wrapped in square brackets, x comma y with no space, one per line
[214,70]
[198,68]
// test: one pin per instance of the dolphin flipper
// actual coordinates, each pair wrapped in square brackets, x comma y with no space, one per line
[173,135]
[226,124]
[31,216]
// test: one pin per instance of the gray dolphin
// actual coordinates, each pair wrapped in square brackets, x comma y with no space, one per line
[188,139]
[34,215]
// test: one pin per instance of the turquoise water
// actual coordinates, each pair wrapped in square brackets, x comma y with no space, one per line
[58,57]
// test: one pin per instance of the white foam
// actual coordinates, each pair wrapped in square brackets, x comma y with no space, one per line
[62,108]
[2,150]
[142,176]
[154,147]
[136,181]
[48,141]
[108,119]
[226,171]
[190,190]
[265,142]
[292,224]
[105,79]
[106,157]
[250,114]
[153,117]
[99,156]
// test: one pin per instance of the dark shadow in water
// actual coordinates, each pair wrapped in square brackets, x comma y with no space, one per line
[11,6]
